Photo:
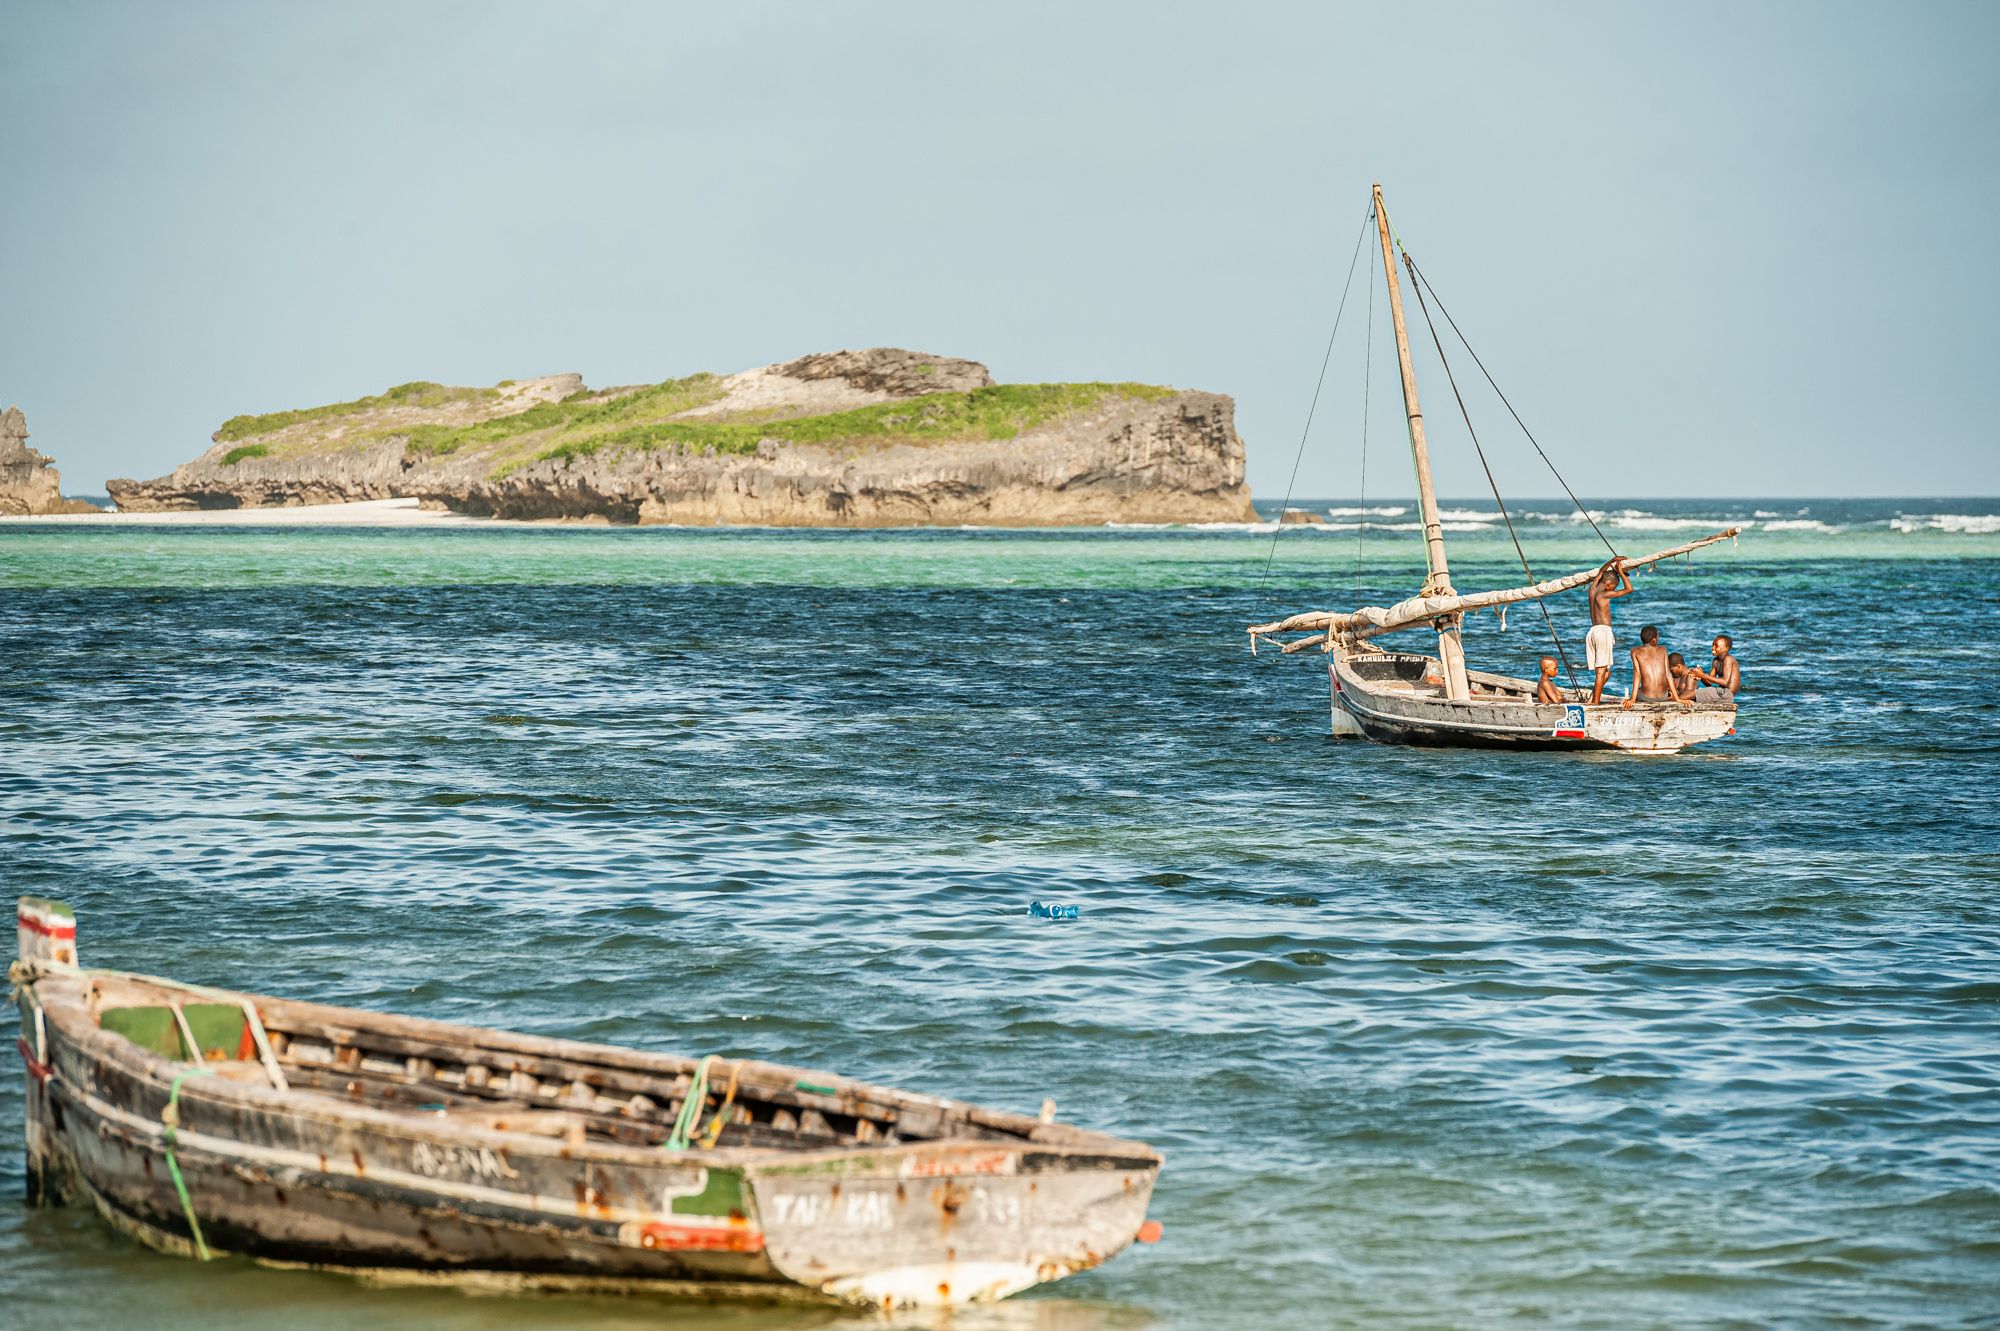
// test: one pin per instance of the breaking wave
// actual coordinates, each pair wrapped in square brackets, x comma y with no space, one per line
[1964,524]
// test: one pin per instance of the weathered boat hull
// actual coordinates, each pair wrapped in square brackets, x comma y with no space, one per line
[1373,698]
[350,1167]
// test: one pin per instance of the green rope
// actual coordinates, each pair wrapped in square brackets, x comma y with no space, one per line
[689,1118]
[170,1118]
[1393,235]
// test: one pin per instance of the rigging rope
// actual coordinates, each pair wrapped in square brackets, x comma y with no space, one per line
[1367,377]
[1426,282]
[1258,601]
[1492,485]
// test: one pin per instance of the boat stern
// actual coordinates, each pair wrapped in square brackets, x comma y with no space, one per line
[1657,728]
[949,1224]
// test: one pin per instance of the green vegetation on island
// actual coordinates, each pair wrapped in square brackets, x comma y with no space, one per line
[580,415]
[653,417]
[421,393]
[1001,411]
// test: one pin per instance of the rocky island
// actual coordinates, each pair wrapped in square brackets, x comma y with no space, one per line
[30,486]
[874,438]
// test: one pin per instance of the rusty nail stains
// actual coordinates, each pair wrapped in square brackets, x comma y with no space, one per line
[835,1194]
[944,1290]
[322,1162]
[901,1195]
[359,1168]
[283,1200]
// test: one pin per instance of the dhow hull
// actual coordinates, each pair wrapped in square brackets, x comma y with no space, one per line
[1385,698]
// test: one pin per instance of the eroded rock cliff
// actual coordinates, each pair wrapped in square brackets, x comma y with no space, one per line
[883,437]
[29,483]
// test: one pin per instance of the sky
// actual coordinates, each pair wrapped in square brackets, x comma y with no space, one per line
[1734,249]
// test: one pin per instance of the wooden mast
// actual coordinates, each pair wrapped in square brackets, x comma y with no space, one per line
[1450,651]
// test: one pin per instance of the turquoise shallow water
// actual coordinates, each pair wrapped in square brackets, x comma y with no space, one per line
[1428,1038]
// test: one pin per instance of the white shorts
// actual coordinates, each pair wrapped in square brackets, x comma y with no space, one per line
[1600,645]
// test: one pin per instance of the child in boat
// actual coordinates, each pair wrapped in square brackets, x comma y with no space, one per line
[1652,679]
[1723,676]
[1684,678]
[1601,644]
[1548,690]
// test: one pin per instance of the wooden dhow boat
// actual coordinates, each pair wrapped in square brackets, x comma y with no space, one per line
[1411,698]
[206,1122]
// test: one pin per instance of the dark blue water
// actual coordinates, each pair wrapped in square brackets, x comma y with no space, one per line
[1428,1038]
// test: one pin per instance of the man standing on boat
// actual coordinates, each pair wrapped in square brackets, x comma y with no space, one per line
[1601,645]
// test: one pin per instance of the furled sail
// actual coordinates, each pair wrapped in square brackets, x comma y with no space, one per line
[1371,620]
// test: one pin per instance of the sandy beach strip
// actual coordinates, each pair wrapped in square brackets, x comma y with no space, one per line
[361,513]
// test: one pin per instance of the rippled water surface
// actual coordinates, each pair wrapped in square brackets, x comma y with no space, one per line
[1428,1038]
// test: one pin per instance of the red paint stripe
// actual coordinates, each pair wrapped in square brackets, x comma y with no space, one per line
[39,1071]
[700,1238]
[56,931]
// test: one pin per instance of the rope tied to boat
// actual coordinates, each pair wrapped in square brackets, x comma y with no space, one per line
[716,1124]
[689,1117]
[170,1119]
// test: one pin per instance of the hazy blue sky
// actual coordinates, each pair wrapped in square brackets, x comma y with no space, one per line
[1732,249]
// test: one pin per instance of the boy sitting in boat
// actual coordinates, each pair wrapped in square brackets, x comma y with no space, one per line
[1548,690]
[1723,677]
[1652,677]
[1601,645]
[1683,677]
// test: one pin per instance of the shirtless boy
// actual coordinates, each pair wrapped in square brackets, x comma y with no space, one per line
[1684,678]
[1548,690]
[1652,678]
[1601,645]
[1723,676]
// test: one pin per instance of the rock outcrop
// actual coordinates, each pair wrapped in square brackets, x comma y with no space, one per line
[29,483]
[843,439]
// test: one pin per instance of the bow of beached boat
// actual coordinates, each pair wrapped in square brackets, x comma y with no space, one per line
[205,1121]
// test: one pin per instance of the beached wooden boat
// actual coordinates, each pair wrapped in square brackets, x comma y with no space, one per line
[206,1122]
[1405,698]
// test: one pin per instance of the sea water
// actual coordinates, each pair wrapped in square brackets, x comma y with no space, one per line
[1428,1038]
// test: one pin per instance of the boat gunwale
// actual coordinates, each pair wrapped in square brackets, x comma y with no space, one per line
[1343,666]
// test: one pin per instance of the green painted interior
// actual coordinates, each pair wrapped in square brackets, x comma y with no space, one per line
[217,1027]
[722,1194]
